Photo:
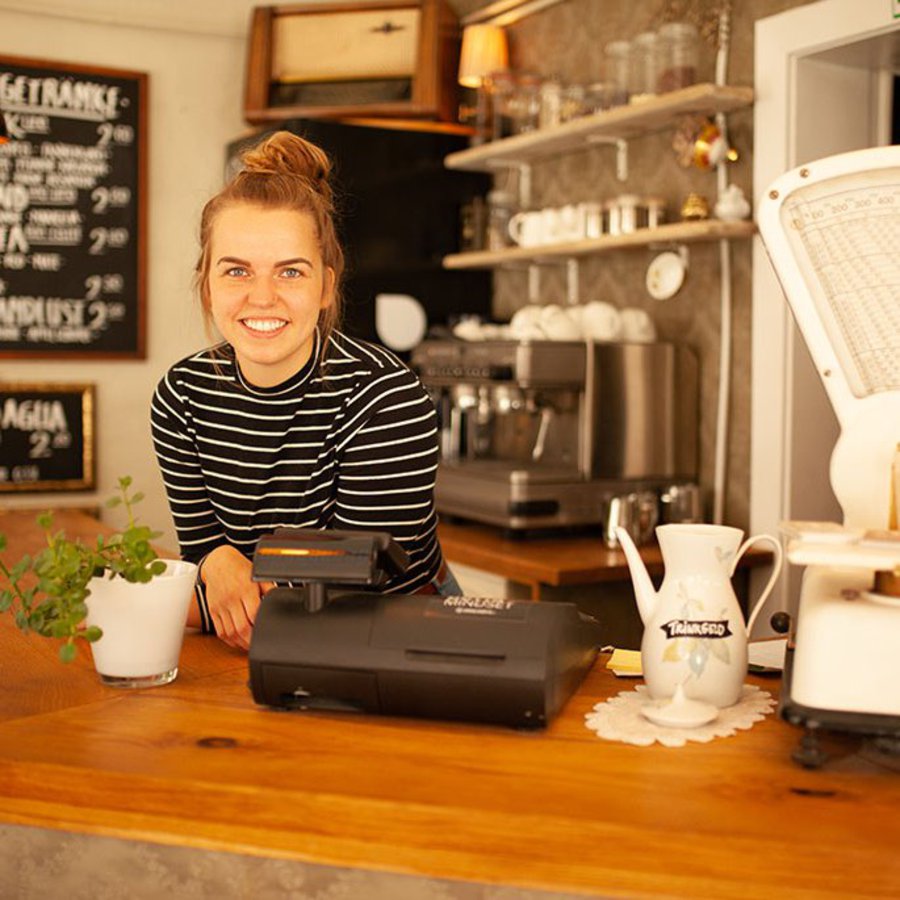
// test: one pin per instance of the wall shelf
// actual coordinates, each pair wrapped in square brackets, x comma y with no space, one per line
[619,123]
[674,233]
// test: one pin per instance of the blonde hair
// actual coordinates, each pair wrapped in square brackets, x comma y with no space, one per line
[284,171]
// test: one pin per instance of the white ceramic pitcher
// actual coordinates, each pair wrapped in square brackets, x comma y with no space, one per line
[694,631]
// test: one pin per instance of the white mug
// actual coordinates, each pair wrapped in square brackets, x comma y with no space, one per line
[572,222]
[593,219]
[535,227]
[526,228]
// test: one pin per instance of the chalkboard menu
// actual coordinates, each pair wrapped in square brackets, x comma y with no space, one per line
[46,437]
[72,217]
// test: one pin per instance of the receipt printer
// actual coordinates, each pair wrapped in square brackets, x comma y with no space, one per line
[467,658]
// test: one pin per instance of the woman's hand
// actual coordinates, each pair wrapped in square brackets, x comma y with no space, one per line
[232,597]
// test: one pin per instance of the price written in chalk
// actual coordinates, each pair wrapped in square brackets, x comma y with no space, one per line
[46,436]
[104,239]
[106,284]
[115,134]
[72,184]
[104,198]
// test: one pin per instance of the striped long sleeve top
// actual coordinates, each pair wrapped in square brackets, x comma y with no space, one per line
[349,444]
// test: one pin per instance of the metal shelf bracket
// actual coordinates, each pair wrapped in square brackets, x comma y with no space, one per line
[621,153]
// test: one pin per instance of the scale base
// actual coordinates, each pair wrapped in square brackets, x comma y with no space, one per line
[881,733]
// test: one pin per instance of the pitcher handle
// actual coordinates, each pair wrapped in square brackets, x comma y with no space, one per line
[776,571]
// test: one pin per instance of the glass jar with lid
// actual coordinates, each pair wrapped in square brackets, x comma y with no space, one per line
[551,102]
[573,102]
[679,49]
[617,57]
[644,67]
[656,211]
[527,103]
[501,207]
[596,97]
[503,90]
[628,212]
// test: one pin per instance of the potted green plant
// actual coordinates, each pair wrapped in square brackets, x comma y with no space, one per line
[117,595]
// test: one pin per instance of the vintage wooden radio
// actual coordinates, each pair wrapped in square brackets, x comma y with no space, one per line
[396,59]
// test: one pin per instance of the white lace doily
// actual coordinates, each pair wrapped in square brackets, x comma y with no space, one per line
[620,719]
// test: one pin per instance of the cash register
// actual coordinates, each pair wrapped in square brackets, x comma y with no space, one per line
[332,640]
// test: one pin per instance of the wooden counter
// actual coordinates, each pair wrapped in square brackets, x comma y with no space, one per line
[556,561]
[196,764]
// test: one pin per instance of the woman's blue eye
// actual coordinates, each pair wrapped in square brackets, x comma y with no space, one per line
[236,271]
[291,272]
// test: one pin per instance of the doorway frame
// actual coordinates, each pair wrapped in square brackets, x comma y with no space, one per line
[785,45]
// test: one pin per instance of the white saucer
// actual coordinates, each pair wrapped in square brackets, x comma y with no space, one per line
[680,712]
[665,275]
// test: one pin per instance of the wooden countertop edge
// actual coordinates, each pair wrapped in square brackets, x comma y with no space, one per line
[549,870]
[555,561]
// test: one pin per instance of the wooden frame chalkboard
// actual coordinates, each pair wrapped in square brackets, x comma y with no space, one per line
[46,437]
[72,211]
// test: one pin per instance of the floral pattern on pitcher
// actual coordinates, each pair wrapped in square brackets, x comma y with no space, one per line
[724,554]
[693,639]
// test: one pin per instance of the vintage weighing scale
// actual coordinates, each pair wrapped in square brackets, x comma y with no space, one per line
[832,231]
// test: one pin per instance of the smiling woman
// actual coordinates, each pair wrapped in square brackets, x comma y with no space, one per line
[267,287]
[287,422]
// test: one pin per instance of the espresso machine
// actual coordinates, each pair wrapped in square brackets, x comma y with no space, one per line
[544,434]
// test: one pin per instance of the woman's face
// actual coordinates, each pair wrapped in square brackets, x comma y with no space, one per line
[267,285]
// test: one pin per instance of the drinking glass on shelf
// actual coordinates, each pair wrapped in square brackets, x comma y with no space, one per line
[596,97]
[617,56]
[527,103]
[643,72]
[656,211]
[572,102]
[551,102]
[503,90]
[501,208]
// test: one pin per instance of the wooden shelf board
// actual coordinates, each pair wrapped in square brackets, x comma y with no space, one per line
[617,123]
[674,233]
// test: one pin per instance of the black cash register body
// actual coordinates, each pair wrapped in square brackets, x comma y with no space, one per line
[331,645]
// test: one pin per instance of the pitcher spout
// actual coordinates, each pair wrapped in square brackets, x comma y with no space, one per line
[643,587]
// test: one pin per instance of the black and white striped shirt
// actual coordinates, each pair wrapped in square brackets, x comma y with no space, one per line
[350,444]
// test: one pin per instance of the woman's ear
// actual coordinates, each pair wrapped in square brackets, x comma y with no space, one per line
[328,288]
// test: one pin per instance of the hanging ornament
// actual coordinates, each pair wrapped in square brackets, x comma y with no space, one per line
[699,142]
[711,148]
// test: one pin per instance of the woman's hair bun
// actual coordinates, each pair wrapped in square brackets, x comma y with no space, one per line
[284,153]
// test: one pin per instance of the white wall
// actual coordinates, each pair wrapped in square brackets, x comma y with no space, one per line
[193,52]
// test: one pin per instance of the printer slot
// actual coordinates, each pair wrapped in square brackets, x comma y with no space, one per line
[456,656]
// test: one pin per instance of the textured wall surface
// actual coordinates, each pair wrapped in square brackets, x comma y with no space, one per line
[568,40]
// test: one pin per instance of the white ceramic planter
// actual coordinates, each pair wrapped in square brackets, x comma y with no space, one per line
[143,626]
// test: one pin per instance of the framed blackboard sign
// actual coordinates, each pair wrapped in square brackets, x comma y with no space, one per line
[72,211]
[46,437]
